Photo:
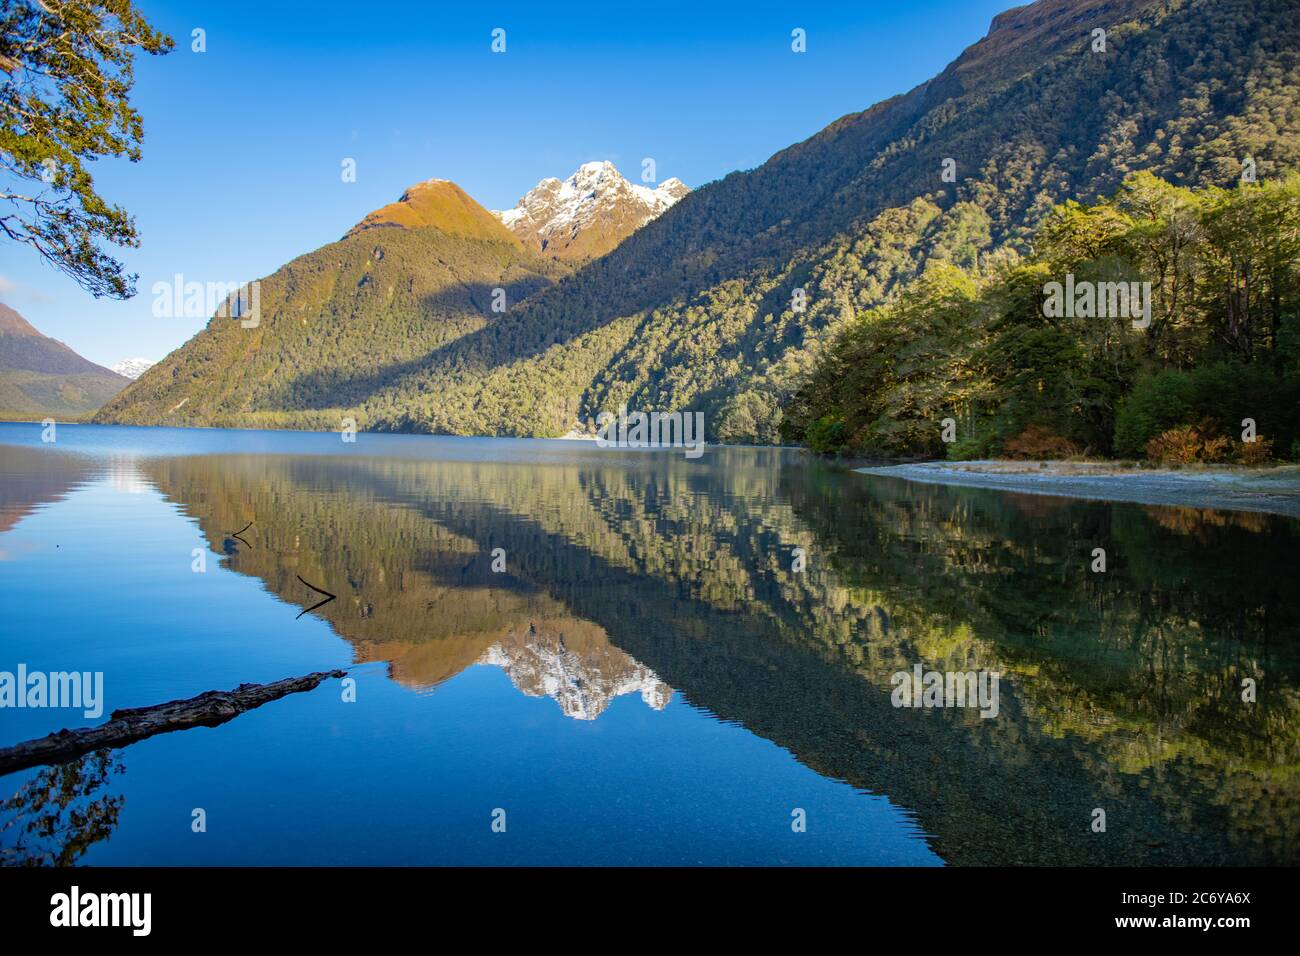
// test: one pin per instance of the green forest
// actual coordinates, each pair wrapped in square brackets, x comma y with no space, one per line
[747,298]
[696,310]
[1220,348]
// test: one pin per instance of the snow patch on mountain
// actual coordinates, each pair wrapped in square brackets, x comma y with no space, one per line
[589,213]
[131,368]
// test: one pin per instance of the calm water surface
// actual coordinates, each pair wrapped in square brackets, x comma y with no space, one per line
[649,681]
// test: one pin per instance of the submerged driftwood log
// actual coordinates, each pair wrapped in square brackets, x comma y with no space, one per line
[128,725]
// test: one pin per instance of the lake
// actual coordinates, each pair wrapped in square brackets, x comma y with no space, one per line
[562,654]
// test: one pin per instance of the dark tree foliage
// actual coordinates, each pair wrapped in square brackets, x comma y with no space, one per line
[67,74]
[1221,346]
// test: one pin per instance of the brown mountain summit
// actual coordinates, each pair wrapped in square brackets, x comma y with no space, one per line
[11,323]
[442,205]
[40,376]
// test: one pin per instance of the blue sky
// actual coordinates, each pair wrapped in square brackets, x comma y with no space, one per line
[244,143]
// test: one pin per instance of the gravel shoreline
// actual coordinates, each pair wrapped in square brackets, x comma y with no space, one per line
[1273,490]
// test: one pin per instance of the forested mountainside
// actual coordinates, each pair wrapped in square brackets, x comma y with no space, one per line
[699,309]
[336,324]
[1180,341]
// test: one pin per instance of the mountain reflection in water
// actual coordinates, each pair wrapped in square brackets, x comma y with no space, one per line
[649,575]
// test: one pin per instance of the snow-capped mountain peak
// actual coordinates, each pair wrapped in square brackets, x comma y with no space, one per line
[587,214]
[131,368]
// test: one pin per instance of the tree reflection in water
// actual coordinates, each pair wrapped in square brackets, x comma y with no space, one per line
[61,812]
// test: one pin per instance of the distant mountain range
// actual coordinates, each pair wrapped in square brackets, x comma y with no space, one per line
[722,302]
[588,214]
[41,377]
[131,368]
